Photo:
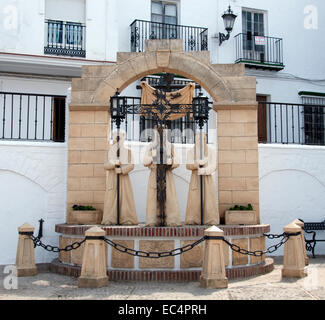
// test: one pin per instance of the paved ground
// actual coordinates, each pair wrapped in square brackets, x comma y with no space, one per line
[265,287]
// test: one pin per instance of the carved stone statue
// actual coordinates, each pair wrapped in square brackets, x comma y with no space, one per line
[171,204]
[122,166]
[208,163]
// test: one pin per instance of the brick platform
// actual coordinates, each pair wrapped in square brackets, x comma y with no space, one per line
[184,267]
[185,275]
[142,231]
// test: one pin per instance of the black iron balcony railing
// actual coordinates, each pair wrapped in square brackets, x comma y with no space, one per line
[194,38]
[25,116]
[291,123]
[65,38]
[259,51]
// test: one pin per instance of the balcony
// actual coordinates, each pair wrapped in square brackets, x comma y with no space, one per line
[65,38]
[194,38]
[259,52]
[289,123]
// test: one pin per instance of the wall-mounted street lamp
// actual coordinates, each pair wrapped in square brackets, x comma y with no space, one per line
[229,20]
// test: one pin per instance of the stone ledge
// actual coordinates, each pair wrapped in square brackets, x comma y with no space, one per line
[168,275]
[181,232]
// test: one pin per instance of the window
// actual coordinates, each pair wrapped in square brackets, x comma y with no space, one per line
[253,26]
[163,18]
[27,116]
[61,33]
[314,120]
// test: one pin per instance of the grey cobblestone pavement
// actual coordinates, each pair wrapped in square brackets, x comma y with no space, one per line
[265,287]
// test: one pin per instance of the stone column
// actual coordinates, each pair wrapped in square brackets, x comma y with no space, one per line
[213,269]
[94,260]
[294,259]
[25,258]
[302,236]
[87,152]
[238,176]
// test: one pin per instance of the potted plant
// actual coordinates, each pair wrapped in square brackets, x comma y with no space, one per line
[240,214]
[80,214]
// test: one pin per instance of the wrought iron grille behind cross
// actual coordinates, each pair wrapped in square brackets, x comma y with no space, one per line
[161,112]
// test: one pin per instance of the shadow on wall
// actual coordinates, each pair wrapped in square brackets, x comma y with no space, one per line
[289,194]
[22,200]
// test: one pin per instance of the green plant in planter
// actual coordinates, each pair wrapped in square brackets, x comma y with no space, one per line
[76,207]
[242,208]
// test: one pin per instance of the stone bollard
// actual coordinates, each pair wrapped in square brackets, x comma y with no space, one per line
[94,260]
[25,258]
[301,225]
[213,268]
[294,259]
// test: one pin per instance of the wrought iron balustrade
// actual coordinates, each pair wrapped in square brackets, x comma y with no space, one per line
[194,38]
[292,123]
[65,38]
[259,51]
[140,128]
[36,117]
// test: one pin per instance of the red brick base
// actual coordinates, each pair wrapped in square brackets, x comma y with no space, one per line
[186,275]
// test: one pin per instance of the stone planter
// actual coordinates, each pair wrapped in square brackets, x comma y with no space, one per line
[85,217]
[244,217]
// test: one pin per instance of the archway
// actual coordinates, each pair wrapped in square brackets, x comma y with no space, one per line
[234,97]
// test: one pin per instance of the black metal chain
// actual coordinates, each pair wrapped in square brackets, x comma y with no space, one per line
[72,246]
[257,253]
[273,236]
[153,255]
[174,252]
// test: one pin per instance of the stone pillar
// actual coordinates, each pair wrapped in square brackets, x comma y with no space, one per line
[213,269]
[294,259]
[238,176]
[94,260]
[87,152]
[25,258]
[301,225]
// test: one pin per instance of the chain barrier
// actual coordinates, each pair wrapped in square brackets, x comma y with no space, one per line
[271,249]
[72,246]
[273,236]
[143,254]
[154,255]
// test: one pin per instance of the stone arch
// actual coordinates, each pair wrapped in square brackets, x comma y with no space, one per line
[226,83]
[135,66]
[234,98]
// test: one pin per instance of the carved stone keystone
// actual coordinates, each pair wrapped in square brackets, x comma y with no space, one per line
[25,258]
[94,260]
[294,258]
[301,224]
[213,269]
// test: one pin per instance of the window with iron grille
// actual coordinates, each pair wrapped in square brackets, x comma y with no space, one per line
[314,119]
[35,117]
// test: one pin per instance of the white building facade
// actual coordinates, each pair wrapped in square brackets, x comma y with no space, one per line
[45,43]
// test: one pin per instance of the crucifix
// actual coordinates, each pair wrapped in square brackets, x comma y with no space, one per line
[161,111]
